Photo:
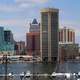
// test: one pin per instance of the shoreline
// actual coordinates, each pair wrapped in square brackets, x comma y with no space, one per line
[11,62]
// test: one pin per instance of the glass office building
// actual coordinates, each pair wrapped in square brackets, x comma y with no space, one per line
[1,36]
[6,42]
[49,34]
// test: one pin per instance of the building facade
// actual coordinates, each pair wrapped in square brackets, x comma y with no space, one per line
[1,36]
[33,43]
[8,36]
[68,52]
[68,49]
[7,49]
[49,34]
[66,36]
[20,48]
[6,42]
[33,39]
[34,26]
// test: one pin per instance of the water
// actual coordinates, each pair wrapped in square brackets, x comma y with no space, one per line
[71,67]
[18,68]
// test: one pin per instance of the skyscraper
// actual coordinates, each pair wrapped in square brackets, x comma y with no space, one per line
[33,43]
[34,26]
[6,42]
[33,38]
[1,36]
[8,36]
[49,34]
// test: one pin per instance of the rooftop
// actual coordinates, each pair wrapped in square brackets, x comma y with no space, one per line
[34,21]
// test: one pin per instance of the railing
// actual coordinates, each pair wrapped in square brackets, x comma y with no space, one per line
[53,76]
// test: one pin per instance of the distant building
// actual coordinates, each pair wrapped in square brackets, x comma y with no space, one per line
[1,36]
[20,48]
[34,26]
[7,48]
[6,42]
[66,36]
[49,34]
[33,39]
[33,43]
[8,36]
[68,51]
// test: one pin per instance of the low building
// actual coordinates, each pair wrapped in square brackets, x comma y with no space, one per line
[7,48]
[68,51]
[20,48]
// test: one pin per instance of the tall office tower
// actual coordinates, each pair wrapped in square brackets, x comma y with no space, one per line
[33,38]
[66,36]
[49,34]
[8,36]
[34,26]
[1,36]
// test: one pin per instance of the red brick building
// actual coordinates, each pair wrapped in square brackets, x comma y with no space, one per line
[66,36]
[33,43]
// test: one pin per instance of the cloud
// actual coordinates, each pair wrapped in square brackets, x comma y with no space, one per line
[24,5]
[10,8]
[12,22]
[31,1]
[20,5]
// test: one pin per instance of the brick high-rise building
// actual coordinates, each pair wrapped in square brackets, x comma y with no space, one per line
[68,49]
[33,39]
[66,36]
[33,43]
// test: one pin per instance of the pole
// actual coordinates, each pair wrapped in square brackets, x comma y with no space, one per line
[5,62]
[33,67]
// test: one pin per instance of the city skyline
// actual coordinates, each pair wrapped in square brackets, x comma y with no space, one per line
[17,14]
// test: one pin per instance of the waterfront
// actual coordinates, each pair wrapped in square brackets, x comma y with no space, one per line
[39,68]
[19,67]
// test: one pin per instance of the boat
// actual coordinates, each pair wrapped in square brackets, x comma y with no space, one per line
[28,74]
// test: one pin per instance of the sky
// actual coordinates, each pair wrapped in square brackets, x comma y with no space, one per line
[16,15]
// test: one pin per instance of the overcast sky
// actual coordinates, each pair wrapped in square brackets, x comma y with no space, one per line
[17,14]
